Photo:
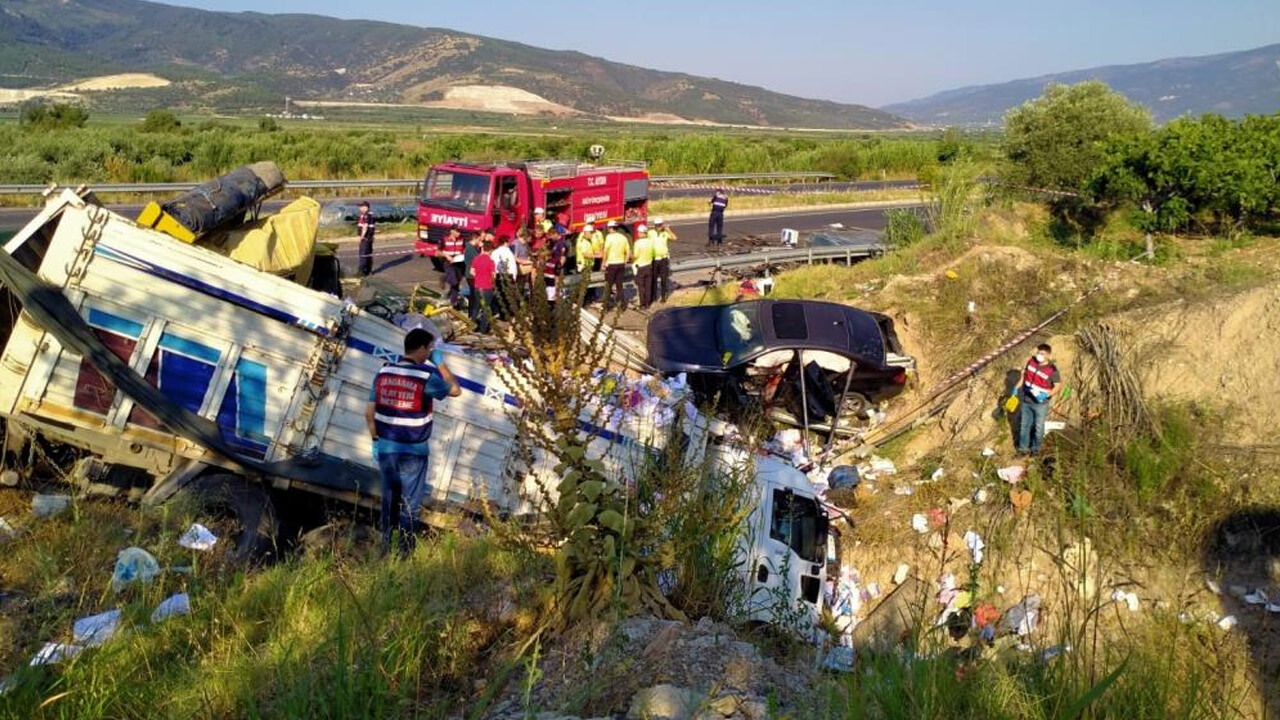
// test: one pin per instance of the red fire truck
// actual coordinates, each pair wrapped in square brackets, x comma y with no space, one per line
[502,198]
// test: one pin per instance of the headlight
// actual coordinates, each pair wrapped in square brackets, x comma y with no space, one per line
[422,233]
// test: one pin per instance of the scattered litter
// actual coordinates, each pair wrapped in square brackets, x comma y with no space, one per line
[1055,651]
[980,496]
[94,630]
[986,615]
[47,506]
[937,475]
[1012,474]
[974,541]
[839,659]
[951,274]
[873,590]
[10,478]
[133,563]
[904,490]
[1054,426]
[1021,499]
[900,575]
[843,477]
[53,653]
[880,465]
[971,307]
[1000,589]
[7,531]
[1228,622]
[920,523]
[1021,619]
[1186,618]
[198,537]
[1128,598]
[1273,607]
[1213,587]
[179,604]
[1257,597]
[937,517]
[988,452]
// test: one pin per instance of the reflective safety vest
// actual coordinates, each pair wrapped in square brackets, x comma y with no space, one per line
[402,411]
[584,247]
[644,250]
[661,251]
[452,247]
[616,249]
[546,225]
[1037,379]
[597,242]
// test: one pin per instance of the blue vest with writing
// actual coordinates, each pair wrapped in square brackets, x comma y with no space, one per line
[402,410]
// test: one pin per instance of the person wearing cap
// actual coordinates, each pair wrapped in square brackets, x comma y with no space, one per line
[644,265]
[398,416]
[584,248]
[364,230]
[454,250]
[617,253]
[715,223]
[662,237]
[540,220]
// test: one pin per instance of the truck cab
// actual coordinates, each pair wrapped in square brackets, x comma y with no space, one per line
[501,198]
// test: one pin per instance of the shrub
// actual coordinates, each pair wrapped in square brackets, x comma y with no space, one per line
[267,124]
[904,226]
[52,116]
[160,121]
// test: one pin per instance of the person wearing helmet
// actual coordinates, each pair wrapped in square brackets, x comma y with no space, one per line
[617,253]
[540,220]
[662,237]
[643,252]
[584,249]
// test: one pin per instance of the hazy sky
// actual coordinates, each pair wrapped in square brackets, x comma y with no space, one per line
[860,51]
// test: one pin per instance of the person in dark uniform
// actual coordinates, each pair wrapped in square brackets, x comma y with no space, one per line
[715,223]
[365,228]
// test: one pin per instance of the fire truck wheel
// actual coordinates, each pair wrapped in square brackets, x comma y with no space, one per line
[240,513]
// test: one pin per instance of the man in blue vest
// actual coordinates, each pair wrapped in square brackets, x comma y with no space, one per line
[399,418]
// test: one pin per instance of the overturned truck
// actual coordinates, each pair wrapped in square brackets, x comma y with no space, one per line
[178,370]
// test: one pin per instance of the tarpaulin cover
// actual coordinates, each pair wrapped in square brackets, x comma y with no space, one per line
[225,199]
[281,244]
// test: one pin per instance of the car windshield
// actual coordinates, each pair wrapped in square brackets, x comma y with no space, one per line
[739,331]
[455,190]
[800,523]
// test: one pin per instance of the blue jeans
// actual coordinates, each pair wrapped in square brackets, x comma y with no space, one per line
[404,485]
[1031,417]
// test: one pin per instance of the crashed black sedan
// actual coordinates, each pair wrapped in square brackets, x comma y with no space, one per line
[798,360]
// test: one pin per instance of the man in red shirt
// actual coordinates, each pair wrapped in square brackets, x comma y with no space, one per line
[1040,383]
[482,271]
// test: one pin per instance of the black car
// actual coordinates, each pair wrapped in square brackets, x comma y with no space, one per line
[750,355]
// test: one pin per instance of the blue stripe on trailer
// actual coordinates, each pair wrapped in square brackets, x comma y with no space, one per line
[190,348]
[104,320]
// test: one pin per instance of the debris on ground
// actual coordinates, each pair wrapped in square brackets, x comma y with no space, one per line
[1020,499]
[94,630]
[7,531]
[920,523]
[1012,474]
[975,544]
[1228,622]
[53,653]
[900,575]
[1130,599]
[133,563]
[10,478]
[47,506]
[1021,619]
[179,604]
[839,659]
[198,537]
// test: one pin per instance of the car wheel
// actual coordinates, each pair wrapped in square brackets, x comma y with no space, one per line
[240,513]
[855,405]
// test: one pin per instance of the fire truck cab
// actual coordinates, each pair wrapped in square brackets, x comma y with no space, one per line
[502,198]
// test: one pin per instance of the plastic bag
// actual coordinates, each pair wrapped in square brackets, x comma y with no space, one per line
[133,563]
[94,630]
[198,537]
[179,604]
[47,506]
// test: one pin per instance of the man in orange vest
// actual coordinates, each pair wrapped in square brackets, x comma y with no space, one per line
[1040,383]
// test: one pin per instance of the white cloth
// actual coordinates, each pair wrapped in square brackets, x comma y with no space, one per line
[504,260]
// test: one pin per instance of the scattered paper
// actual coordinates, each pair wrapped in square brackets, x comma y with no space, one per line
[94,630]
[1130,599]
[980,496]
[198,537]
[133,563]
[1273,607]
[903,490]
[900,575]
[937,475]
[1228,622]
[920,523]
[988,452]
[1213,587]
[7,531]
[1012,474]
[53,653]
[1054,426]
[179,604]
[975,544]
[47,506]
[1257,597]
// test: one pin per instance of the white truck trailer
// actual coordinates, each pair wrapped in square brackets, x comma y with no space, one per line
[180,370]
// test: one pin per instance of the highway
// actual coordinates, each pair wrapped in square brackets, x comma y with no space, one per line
[395,262]
[13,218]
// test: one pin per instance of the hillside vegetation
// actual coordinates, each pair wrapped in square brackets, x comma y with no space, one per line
[252,60]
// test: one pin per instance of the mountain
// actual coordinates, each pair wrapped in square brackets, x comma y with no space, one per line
[222,59]
[1233,84]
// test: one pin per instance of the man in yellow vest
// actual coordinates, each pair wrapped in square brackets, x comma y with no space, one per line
[662,237]
[585,248]
[617,253]
[540,220]
[644,265]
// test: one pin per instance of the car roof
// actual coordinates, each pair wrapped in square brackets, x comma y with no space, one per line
[818,325]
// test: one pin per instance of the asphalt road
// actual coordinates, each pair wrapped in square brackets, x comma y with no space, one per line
[14,218]
[395,262]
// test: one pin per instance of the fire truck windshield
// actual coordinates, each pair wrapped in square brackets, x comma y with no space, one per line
[457,191]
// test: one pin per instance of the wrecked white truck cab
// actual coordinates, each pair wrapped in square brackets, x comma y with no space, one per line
[180,370]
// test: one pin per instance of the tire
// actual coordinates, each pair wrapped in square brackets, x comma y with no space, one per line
[240,513]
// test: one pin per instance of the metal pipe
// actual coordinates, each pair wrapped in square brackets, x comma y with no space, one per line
[835,422]
[804,404]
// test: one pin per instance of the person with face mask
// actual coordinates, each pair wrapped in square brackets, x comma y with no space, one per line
[1040,383]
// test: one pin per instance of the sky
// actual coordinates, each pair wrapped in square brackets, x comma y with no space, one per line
[859,51]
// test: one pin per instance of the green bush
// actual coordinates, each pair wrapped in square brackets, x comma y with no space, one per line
[267,124]
[52,116]
[160,121]
[904,226]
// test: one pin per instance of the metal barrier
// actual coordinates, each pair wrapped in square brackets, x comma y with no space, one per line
[144,188]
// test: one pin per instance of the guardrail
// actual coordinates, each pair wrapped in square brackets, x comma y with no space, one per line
[767,257]
[145,188]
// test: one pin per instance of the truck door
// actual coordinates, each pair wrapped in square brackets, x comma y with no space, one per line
[790,553]
[510,198]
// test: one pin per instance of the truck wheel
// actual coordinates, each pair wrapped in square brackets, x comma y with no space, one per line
[240,513]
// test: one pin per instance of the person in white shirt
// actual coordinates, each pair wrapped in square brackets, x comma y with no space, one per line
[504,287]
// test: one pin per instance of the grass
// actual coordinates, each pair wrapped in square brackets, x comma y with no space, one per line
[678,206]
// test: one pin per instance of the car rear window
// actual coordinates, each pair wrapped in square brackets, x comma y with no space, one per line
[788,321]
[865,339]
